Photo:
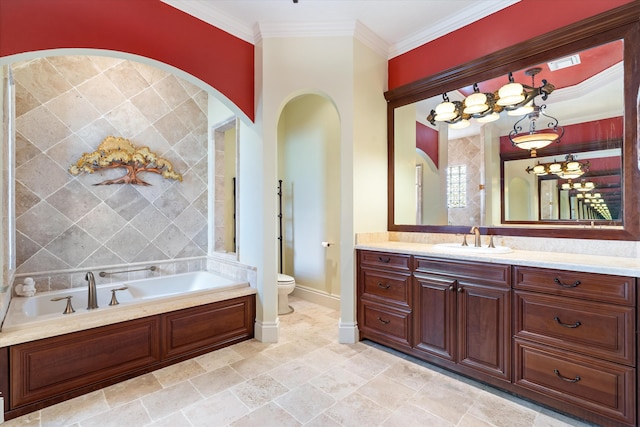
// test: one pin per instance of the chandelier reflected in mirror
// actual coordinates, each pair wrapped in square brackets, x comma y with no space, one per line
[582,186]
[535,129]
[570,168]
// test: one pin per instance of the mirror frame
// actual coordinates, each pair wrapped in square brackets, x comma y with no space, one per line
[620,23]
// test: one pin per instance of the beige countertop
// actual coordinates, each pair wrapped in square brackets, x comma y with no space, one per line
[121,313]
[576,262]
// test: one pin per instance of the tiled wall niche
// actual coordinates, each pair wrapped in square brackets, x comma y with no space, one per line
[66,106]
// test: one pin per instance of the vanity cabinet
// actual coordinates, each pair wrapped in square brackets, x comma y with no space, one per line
[384,289]
[565,339]
[575,341]
[462,316]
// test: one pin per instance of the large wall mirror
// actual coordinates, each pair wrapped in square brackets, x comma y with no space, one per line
[462,151]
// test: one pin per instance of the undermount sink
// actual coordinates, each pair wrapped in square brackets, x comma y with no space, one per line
[458,248]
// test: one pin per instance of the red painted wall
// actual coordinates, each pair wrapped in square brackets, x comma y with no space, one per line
[517,23]
[427,141]
[147,28]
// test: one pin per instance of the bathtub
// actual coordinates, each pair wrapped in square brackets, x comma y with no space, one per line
[25,312]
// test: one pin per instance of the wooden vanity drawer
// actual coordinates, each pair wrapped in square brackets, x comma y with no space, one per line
[385,323]
[385,260]
[592,286]
[480,273]
[386,286]
[585,382]
[595,329]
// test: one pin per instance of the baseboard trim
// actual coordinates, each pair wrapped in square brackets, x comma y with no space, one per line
[348,332]
[318,297]
[267,331]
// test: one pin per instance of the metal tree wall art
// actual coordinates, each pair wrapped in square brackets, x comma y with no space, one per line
[117,152]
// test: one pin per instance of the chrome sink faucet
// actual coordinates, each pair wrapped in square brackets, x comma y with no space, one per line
[477,241]
[92,298]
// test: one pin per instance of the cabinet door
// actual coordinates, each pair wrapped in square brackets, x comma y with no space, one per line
[484,332]
[57,366]
[207,327]
[435,300]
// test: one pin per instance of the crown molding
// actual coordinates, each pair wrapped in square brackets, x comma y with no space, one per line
[205,11]
[467,16]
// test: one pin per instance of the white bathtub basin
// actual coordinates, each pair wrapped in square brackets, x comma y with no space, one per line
[24,312]
[458,248]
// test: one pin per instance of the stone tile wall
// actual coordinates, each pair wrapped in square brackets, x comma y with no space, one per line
[466,151]
[66,106]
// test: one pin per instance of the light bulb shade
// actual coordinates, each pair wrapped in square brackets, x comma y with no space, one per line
[510,94]
[555,167]
[539,170]
[535,140]
[460,124]
[525,109]
[566,186]
[489,118]
[475,103]
[446,111]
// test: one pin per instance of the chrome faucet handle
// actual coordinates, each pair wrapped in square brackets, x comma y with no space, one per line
[491,245]
[464,240]
[114,300]
[69,308]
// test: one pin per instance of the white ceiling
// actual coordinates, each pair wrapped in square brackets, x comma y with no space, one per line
[391,27]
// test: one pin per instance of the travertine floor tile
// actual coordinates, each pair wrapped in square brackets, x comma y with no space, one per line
[269,415]
[259,391]
[218,410]
[357,410]
[294,373]
[169,400]
[131,415]
[410,416]
[132,389]
[305,402]
[174,420]
[179,372]
[219,358]
[255,365]
[386,392]
[338,382]
[216,381]
[74,410]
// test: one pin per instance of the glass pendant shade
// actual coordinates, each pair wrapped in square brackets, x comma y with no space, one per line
[446,111]
[534,141]
[475,103]
[510,94]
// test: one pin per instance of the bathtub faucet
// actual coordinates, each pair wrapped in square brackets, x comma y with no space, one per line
[92,300]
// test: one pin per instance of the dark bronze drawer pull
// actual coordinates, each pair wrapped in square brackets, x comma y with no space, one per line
[564,285]
[381,320]
[569,380]
[566,325]
[384,259]
[384,286]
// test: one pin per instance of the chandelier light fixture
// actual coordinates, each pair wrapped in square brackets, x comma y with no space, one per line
[516,99]
[570,168]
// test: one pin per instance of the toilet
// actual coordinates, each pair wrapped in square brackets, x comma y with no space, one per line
[286,285]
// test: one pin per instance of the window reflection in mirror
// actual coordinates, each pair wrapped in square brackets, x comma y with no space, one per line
[587,101]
